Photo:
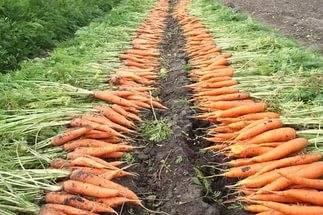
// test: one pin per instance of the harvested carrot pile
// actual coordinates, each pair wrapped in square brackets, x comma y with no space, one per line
[95,141]
[275,176]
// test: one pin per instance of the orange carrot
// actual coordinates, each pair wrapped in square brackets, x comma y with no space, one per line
[117,201]
[96,134]
[104,183]
[271,198]
[282,183]
[110,97]
[271,212]
[293,209]
[263,126]
[84,143]
[115,117]
[122,111]
[248,117]
[224,105]
[276,135]
[268,177]
[256,208]
[282,150]
[68,209]
[244,171]
[218,91]
[87,189]
[305,182]
[291,161]
[49,211]
[102,151]
[78,122]
[303,195]
[77,202]
[242,110]
[92,162]
[69,135]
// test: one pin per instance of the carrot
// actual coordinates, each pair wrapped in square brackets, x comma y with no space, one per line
[216,147]
[84,143]
[242,110]
[218,91]
[229,97]
[256,208]
[115,117]
[266,178]
[88,161]
[276,135]
[282,150]
[104,183]
[264,126]
[87,189]
[49,211]
[117,201]
[237,126]
[253,151]
[69,135]
[279,152]
[122,111]
[111,174]
[282,183]
[271,198]
[293,209]
[96,171]
[271,212]
[291,161]
[223,105]
[308,196]
[110,97]
[77,202]
[221,129]
[199,85]
[219,84]
[244,171]
[96,134]
[103,120]
[305,182]
[68,209]
[78,122]
[102,151]
[248,117]
[59,163]
[105,163]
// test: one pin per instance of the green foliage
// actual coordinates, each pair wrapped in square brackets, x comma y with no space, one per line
[156,130]
[30,27]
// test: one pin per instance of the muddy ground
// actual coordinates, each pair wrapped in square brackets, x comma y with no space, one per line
[167,180]
[299,19]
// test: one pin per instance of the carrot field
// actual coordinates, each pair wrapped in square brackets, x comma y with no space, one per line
[161,107]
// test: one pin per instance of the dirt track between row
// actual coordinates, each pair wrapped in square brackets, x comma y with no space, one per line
[298,19]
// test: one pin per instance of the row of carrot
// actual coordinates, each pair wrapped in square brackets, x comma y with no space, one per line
[275,175]
[95,141]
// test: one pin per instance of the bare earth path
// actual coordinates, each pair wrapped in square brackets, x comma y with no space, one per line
[299,19]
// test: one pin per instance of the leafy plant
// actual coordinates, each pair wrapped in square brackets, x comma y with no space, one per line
[156,130]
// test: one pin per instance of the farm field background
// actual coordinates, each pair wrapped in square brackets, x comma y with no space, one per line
[145,55]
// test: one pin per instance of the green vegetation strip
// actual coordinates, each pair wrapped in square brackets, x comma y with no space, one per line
[28,28]
[38,101]
[270,67]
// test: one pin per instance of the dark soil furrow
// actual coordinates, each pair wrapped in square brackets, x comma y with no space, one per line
[168,169]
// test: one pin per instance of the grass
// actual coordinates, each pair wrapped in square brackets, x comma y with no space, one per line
[31,28]
[38,100]
[271,67]
[156,130]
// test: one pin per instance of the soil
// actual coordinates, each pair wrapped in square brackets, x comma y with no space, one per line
[299,19]
[167,180]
